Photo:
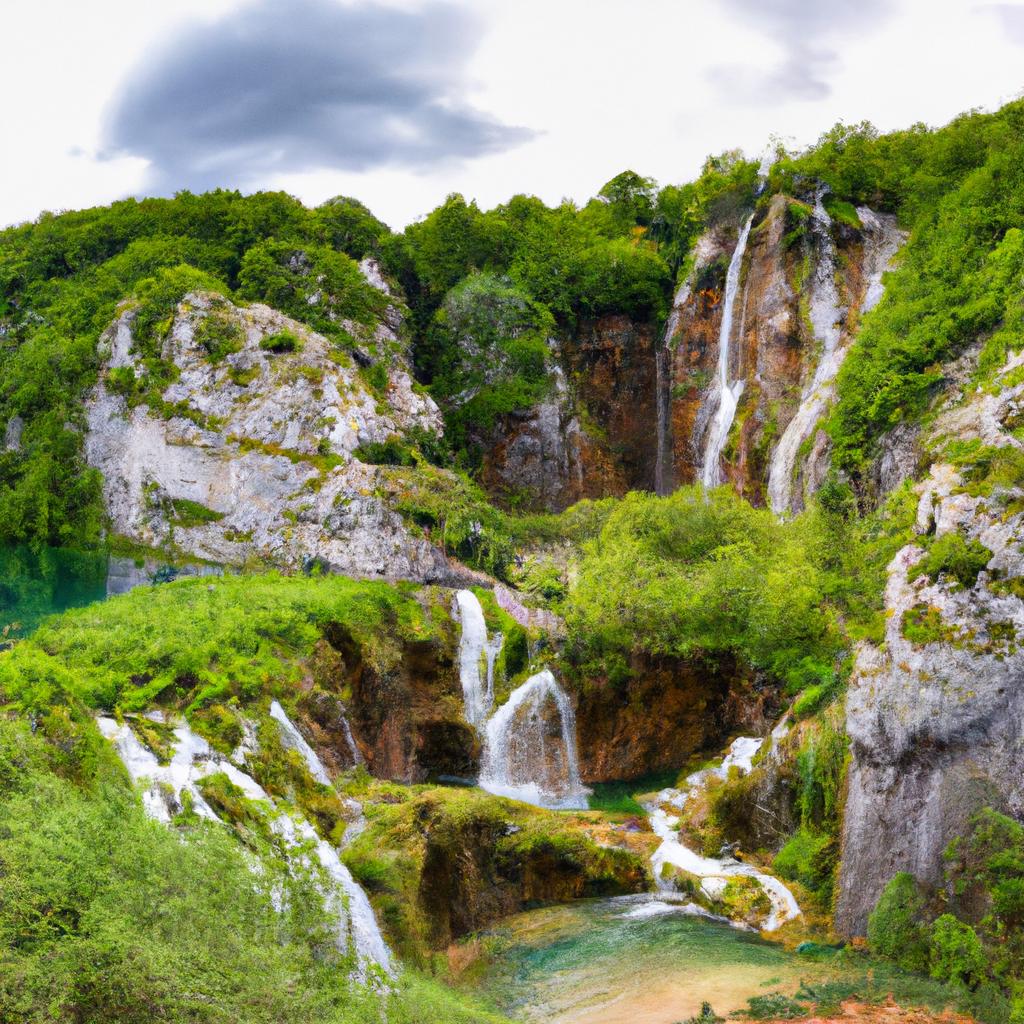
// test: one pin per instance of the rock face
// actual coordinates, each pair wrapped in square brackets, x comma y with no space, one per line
[668,711]
[254,456]
[805,281]
[593,436]
[405,720]
[935,725]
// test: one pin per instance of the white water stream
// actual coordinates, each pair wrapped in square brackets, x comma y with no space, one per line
[727,389]
[714,872]
[529,743]
[882,239]
[164,790]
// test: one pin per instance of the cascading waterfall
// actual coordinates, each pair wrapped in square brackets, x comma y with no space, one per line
[527,756]
[164,790]
[714,872]
[882,239]
[728,393]
[529,743]
[476,650]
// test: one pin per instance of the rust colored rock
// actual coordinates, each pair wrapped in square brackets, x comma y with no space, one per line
[667,712]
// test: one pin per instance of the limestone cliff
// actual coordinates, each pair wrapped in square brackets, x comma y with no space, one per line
[935,714]
[255,456]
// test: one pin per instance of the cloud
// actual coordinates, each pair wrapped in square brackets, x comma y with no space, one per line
[808,33]
[1011,16]
[300,86]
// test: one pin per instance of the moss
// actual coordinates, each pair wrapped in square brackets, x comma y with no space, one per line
[744,899]
[186,513]
[923,624]
[281,342]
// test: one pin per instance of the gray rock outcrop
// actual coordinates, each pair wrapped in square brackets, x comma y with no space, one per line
[936,726]
[254,456]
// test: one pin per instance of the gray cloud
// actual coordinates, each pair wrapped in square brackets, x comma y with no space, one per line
[304,85]
[809,33]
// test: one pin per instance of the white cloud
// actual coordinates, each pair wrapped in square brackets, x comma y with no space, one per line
[607,84]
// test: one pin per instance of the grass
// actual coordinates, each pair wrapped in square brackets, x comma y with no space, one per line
[198,641]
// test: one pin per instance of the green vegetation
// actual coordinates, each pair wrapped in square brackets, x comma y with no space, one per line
[954,557]
[109,918]
[203,641]
[967,933]
[691,576]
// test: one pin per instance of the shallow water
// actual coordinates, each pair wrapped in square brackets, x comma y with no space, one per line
[35,583]
[635,959]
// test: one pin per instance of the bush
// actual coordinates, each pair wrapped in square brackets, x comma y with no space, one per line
[897,927]
[953,556]
[956,953]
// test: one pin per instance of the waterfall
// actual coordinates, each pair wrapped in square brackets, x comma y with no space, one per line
[882,239]
[527,756]
[714,872]
[728,393]
[474,648]
[663,468]
[292,739]
[529,743]
[163,793]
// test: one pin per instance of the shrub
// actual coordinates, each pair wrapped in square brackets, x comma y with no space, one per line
[956,953]
[897,926]
[953,556]
[281,342]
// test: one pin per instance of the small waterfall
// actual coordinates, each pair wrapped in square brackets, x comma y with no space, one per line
[714,872]
[193,760]
[663,463]
[530,747]
[728,393]
[292,739]
[475,648]
[882,239]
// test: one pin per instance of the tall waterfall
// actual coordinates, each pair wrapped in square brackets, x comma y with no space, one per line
[728,392]
[356,927]
[882,239]
[529,743]
[530,747]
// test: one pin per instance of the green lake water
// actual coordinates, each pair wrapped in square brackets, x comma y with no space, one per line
[35,583]
[630,960]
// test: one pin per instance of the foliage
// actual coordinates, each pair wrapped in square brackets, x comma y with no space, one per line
[696,575]
[110,918]
[956,953]
[310,283]
[953,556]
[898,926]
[196,642]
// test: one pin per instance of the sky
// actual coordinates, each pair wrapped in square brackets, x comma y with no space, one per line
[400,103]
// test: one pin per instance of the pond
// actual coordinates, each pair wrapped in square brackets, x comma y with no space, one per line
[635,959]
[38,582]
